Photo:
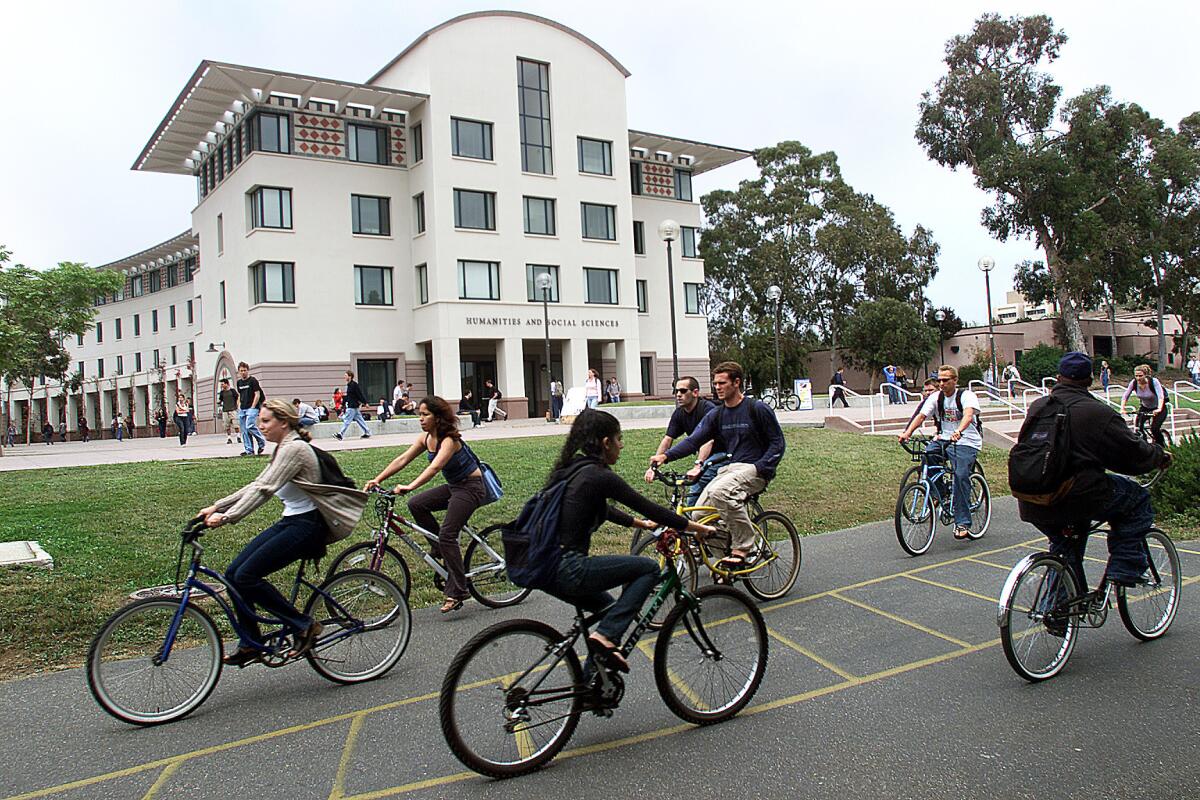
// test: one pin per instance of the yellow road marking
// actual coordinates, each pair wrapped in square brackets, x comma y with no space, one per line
[950,588]
[829,665]
[525,746]
[675,679]
[1185,550]
[1005,567]
[162,779]
[895,618]
[339,780]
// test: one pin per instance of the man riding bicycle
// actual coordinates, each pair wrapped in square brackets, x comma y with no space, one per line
[689,410]
[954,411]
[755,444]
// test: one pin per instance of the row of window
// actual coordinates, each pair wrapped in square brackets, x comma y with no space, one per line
[119,362]
[151,282]
[118,329]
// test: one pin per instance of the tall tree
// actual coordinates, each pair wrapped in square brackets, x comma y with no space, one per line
[887,331]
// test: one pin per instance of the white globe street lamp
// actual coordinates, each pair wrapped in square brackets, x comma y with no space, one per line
[986,265]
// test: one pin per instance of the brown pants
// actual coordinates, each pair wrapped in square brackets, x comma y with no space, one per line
[459,501]
[728,493]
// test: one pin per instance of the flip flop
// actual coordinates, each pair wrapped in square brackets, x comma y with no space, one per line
[608,655]
[962,533]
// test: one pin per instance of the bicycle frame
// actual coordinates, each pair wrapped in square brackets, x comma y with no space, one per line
[706,516]
[931,472]
[394,523]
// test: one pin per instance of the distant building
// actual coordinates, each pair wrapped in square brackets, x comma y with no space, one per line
[1016,307]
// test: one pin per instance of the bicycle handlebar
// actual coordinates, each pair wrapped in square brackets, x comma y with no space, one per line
[915,445]
[670,477]
[194,529]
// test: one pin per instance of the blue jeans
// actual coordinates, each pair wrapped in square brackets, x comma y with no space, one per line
[705,478]
[583,581]
[353,415]
[248,424]
[556,402]
[307,422]
[287,541]
[592,402]
[963,458]
[1129,515]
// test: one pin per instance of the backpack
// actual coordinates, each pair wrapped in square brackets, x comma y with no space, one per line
[331,471]
[940,414]
[531,548]
[1039,465]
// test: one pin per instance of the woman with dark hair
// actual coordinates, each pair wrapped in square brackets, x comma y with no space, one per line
[592,447]
[459,496]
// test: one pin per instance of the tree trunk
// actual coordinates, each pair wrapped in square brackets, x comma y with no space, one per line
[1068,310]
[832,346]
[1112,322]
[29,415]
[1162,334]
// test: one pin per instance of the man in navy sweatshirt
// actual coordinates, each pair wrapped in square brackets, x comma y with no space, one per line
[754,441]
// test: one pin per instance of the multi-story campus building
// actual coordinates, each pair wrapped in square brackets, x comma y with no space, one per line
[397,228]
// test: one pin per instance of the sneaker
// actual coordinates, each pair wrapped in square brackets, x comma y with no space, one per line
[365,436]
[228,440]
[337,436]
[245,454]
[261,447]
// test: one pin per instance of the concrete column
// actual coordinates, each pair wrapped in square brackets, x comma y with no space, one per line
[106,409]
[447,371]
[139,406]
[510,367]
[575,362]
[629,369]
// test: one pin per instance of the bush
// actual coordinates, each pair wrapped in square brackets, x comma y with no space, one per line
[971,372]
[1176,492]
[1039,362]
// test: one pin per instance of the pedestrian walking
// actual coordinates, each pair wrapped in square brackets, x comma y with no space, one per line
[839,382]
[227,402]
[591,389]
[62,430]
[250,400]
[85,433]
[1105,375]
[183,410]
[556,398]
[118,427]
[47,433]
[493,397]
[11,435]
[160,419]
[354,399]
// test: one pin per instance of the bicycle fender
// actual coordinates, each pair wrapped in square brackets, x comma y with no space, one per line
[1010,584]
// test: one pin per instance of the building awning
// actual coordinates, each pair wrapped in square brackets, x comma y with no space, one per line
[217,92]
[173,249]
[704,157]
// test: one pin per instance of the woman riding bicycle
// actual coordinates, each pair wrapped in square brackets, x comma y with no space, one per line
[593,445]
[1153,397]
[313,515]
[462,493]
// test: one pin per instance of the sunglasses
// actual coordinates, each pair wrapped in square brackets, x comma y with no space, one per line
[943,380]
[682,391]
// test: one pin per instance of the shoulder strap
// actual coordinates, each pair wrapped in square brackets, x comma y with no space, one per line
[958,399]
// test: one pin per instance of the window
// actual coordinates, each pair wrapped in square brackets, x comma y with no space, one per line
[418,144]
[370,215]
[155,281]
[220,234]
[539,216]
[478,280]
[154,321]
[687,240]
[136,285]
[79,339]
[101,300]
[683,184]
[533,88]
[419,212]
[118,295]
[474,210]
[270,133]
[422,284]
[643,306]
[471,139]
[189,266]
[639,238]
[372,286]
[137,324]
[595,156]
[120,365]
[691,298]
[377,376]
[192,352]
[599,222]
[117,328]
[137,362]
[271,207]
[533,293]
[99,367]
[171,316]
[222,294]
[173,275]
[174,360]
[635,177]
[99,332]
[155,364]
[368,144]
[190,312]
[601,285]
[273,282]
[81,369]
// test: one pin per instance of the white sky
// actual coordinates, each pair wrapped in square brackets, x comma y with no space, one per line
[84,85]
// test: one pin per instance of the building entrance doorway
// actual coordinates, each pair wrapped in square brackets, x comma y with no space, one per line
[473,374]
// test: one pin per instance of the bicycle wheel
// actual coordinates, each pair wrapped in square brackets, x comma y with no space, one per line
[685,565]
[367,625]
[791,402]
[487,579]
[915,518]
[912,476]
[778,541]
[1036,628]
[981,506]
[511,698]
[711,655]
[1149,608]
[126,676]
[392,564]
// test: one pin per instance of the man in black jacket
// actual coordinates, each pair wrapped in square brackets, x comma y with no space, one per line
[1100,440]
[354,399]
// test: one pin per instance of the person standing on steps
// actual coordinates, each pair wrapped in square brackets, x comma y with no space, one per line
[353,399]
[250,400]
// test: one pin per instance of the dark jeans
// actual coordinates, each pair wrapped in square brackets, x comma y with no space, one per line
[459,501]
[162,429]
[181,426]
[556,402]
[1129,515]
[287,541]
[964,460]
[715,462]
[1156,423]
[838,394]
[583,581]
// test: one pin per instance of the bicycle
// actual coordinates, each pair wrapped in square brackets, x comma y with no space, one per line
[918,506]
[1042,607]
[513,695]
[487,578]
[156,660]
[783,399]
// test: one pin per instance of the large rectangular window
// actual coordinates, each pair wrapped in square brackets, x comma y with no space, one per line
[478,280]
[273,282]
[99,333]
[691,298]
[422,273]
[474,209]
[368,144]
[533,293]
[191,315]
[270,133]
[117,328]
[598,222]
[470,138]
[688,241]
[271,207]
[99,367]
[173,275]
[539,216]
[418,144]
[171,316]
[137,362]
[635,177]
[120,365]
[189,267]
[639,237]
[642,301]
[533,87]
[372,286]
[154,321]
[683,184]
[155,281]
[600,285]
[595,156]
[137,286]
[419,213]
[137,324]
[370,215]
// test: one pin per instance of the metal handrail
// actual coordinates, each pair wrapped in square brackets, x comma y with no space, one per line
[1048,381]
[994,393]
[844,388]
[893,387]
[1175,390]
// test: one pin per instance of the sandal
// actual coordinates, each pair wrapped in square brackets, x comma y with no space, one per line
[608,655]
[451,604]
[242,657]
[732,562]
[962,533]
[305,640]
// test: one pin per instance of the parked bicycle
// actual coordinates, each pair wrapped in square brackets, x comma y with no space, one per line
[782,399]
[918,507]
[156,660]
[487,576]
[514,693]
[1042,607]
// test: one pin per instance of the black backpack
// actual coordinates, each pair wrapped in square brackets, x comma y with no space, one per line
[531,547]
[331,471]
[1039,465]
[940,414]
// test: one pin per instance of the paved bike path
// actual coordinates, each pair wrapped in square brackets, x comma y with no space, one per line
[885,679]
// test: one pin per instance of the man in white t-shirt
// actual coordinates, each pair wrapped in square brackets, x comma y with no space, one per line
[959,437]
[1193,368]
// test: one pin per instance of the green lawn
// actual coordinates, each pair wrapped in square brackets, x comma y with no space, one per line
[113,529]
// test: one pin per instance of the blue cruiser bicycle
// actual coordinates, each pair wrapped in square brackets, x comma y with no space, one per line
[920,504]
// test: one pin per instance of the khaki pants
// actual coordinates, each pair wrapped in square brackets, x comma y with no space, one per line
[728,493]
[231,425]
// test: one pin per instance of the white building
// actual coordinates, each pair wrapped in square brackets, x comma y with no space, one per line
[396,228]
[1016,307]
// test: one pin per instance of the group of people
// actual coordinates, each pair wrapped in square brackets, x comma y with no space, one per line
[595,392]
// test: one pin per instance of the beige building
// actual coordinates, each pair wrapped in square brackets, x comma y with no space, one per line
[1016,307]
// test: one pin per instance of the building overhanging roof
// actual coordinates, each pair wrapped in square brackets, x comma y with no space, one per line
[704,156]
[217,92]
[185,244]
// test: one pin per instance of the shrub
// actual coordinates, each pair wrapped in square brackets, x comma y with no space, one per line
[1176,492]
[971,372]
[1040,362]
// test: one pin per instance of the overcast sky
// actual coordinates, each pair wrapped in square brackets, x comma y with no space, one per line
[84,85]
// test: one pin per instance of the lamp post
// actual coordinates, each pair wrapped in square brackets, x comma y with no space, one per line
[543,282]
[668,231]
[775,295]
[940,316]
[986,265]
